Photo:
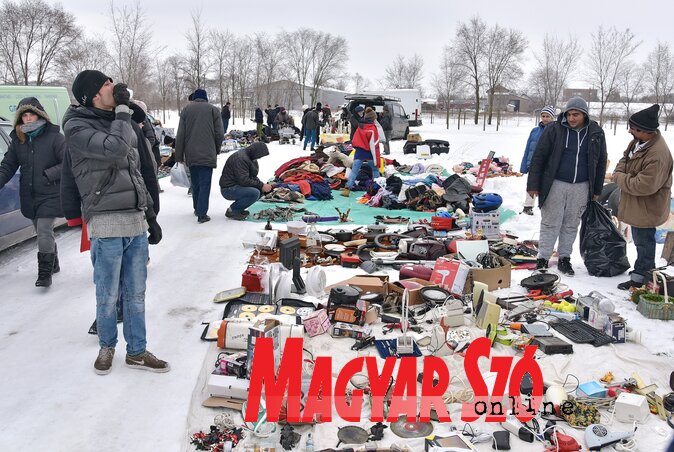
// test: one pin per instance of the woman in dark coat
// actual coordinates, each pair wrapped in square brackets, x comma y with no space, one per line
[37,148]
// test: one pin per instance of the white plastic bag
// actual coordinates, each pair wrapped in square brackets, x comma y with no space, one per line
[179,176]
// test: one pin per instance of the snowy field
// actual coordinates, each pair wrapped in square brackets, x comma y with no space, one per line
[51,400]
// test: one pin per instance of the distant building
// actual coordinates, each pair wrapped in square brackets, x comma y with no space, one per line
[287,94]
[507,100]
[589,94]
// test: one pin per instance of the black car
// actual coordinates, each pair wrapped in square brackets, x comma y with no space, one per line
[399,119]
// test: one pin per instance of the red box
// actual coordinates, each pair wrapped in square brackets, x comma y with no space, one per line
[450,274]
[317,323]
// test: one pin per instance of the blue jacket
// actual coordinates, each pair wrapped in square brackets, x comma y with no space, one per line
[535,134]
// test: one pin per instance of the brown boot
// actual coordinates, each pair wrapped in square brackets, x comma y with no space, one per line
[345,192]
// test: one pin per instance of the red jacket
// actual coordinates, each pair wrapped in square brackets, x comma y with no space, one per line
[366,137]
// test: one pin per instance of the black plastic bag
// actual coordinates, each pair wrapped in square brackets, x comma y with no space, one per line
[602,247]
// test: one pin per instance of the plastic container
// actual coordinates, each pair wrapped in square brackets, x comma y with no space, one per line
[297,227]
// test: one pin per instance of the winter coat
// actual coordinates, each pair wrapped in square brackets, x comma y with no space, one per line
[200,134]
[386,121]
[284,118]
[148,132]
[226,114]
[311,120]
[105,163]
[259,119]
[529,149]
[366,139]
[241,168]
[557,139]
[645,182]
[40,161]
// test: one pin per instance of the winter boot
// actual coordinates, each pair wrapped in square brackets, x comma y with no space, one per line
[57,268]
[528,211]
[541,263]
[345,192]
[564,266]
[45,266]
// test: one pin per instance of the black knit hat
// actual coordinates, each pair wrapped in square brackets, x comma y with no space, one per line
[647,119]
[87,84]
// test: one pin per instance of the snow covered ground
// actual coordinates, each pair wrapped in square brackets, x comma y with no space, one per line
[50,398]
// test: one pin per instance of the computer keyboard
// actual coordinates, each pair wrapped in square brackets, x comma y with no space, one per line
[582,333]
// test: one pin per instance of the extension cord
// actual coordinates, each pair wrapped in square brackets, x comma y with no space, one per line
[516,428]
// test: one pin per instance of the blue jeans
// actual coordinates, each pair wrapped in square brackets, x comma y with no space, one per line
[310,136]
[201,188]
[120,272]
[225,124]
[355,169]
[243,197]
[644,240]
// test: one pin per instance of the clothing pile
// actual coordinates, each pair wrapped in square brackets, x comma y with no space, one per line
[280,214]
[499,167]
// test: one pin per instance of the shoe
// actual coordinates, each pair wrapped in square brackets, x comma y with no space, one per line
[103,364]
[345,192]
[541,263]
[203,219]
[627,285]
[57,267]
[45,267]
[528,211]
[236,215]
[564,266]
[147,361]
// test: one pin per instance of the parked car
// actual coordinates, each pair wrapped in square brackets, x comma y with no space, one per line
[14,227]
[400,120]
[159,130]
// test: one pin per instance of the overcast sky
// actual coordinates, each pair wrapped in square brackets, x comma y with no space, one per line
[379,30]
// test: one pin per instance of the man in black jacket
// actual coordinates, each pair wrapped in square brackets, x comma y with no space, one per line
[226,114]
[386,121]
[567,169]
[239,181]
[117,208]
[198,142]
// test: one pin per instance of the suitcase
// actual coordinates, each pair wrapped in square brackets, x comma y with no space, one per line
[438,146]
[410,147]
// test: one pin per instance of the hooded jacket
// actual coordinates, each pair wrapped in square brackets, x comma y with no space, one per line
[559,141]
[241,168]
[105,164]
[40,157]
[366,139]
[259,118]
[530,148]
[645,182]
[200,134]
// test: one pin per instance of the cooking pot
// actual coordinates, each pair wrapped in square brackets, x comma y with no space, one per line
[344,235]
[373,230]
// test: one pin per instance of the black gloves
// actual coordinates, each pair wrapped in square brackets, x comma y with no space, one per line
[121,94]
[155,231]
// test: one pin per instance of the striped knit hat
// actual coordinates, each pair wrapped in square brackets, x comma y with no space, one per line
[549,109]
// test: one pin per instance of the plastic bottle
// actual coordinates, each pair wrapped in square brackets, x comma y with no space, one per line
[313,237]
[309,445]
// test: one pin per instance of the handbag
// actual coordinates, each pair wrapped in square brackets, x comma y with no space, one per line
[179,176]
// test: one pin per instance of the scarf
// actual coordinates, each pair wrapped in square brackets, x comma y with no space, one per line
[33,129]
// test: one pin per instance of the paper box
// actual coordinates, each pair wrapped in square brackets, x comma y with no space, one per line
[228,386]
[414,294]
[494,278]
[317,323]
[264,328]
[368,283]
[450,274]
[615,327]
[486,224]
[340,329]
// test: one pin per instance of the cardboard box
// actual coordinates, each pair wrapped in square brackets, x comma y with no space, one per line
[615,327]
[494,278]
[489,224]
[368,283]
[450,274]
[264,328]
[317,323]
[415,294]
[228,386]
[340,329]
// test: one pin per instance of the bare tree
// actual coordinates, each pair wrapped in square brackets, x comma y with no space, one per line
[163,84]
[241,61]
[33,34]
[660,77]
[360,83]
[470,44]
[556,60]
[631,83]
[176,77]
[298,58]
[502,49]
[268,68]
[198,58]
[401,74]
[220,43]
[449,78]
[81,54]
[131,47]
[608,52]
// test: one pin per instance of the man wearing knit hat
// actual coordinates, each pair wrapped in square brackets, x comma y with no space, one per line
[644,176]
[566,171]
[117,209]
[547,116]
[198,140]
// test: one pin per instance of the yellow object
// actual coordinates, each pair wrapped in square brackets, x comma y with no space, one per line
[333,137]
[414,137]
[607,378]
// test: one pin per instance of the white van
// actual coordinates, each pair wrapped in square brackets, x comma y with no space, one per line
[54,99]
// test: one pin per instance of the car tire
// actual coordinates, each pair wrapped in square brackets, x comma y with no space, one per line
[407,132]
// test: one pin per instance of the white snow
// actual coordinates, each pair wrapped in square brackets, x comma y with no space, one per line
[50,398]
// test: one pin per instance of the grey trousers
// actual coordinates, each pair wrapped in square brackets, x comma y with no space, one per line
[387,143]
[560,217]
[44,228]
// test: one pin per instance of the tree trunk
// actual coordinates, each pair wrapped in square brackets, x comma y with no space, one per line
[477,102]
[447,118]
[491,107]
